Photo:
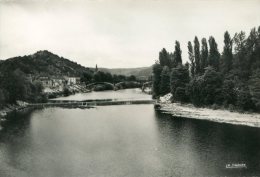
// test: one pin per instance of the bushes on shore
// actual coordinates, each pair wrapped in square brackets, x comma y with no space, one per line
[102,87]
[128,84]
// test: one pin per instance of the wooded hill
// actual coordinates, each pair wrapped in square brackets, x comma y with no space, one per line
[43,63]
[14,75]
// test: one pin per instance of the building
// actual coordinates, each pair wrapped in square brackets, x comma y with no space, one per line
[58,82]
[46,82]
[72,80]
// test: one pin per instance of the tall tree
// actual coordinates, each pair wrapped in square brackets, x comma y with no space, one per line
[240,62]
[204,54]
[179,80]
[191,58]
[254,86]
[244,99]
[197,55]
[257,62]
[157,69]
[16,83]
[206,89]
[227,56]
[252,47]
[86,77]
[177,54]
[164,58]
[214,55]
[165,81]
[229,91]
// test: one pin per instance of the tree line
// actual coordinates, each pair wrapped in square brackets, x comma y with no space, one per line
[15,85]
[100,76]
[230,79]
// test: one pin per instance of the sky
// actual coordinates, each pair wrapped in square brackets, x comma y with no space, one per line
[118,33]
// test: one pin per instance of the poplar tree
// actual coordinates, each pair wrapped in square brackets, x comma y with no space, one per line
[254,85]
[252,47]
[257,47]
[177,54]
[171,55]
[157,69]
[214,55]
[179,80]
[191,58]
[204,54]
[240,63]
[164,58]
[165,81]
[227,56]
[197,55]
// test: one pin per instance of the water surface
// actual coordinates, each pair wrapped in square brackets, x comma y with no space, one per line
[126,94]
[126,140]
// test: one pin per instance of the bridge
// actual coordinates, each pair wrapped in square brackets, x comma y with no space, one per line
[116,86]
[147,85]
[88,103]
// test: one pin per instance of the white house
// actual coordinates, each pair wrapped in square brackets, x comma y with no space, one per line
[72,80]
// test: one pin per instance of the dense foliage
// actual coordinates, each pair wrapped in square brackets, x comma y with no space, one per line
[230,79]
[43,63]
[137,72]
[100,76]
[14,85]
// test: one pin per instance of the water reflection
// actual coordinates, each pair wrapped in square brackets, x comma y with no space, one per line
[208,147]
[127,140]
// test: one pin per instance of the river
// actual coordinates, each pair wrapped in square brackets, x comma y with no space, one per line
[125,140]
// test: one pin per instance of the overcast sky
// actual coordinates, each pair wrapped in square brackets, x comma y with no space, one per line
[117,33]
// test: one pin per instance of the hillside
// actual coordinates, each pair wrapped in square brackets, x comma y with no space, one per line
[43,63]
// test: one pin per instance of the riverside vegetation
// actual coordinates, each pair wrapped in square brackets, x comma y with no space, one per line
[16,75]
[230,79]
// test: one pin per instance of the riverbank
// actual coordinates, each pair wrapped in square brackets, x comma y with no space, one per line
[219,115]
[69,90]
[50,92]
[19,106]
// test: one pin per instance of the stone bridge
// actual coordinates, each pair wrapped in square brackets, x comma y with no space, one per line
[147,85]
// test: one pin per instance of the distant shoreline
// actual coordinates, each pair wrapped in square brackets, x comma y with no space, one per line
[20,106]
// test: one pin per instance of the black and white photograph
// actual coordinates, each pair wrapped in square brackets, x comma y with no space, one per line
[129,88]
